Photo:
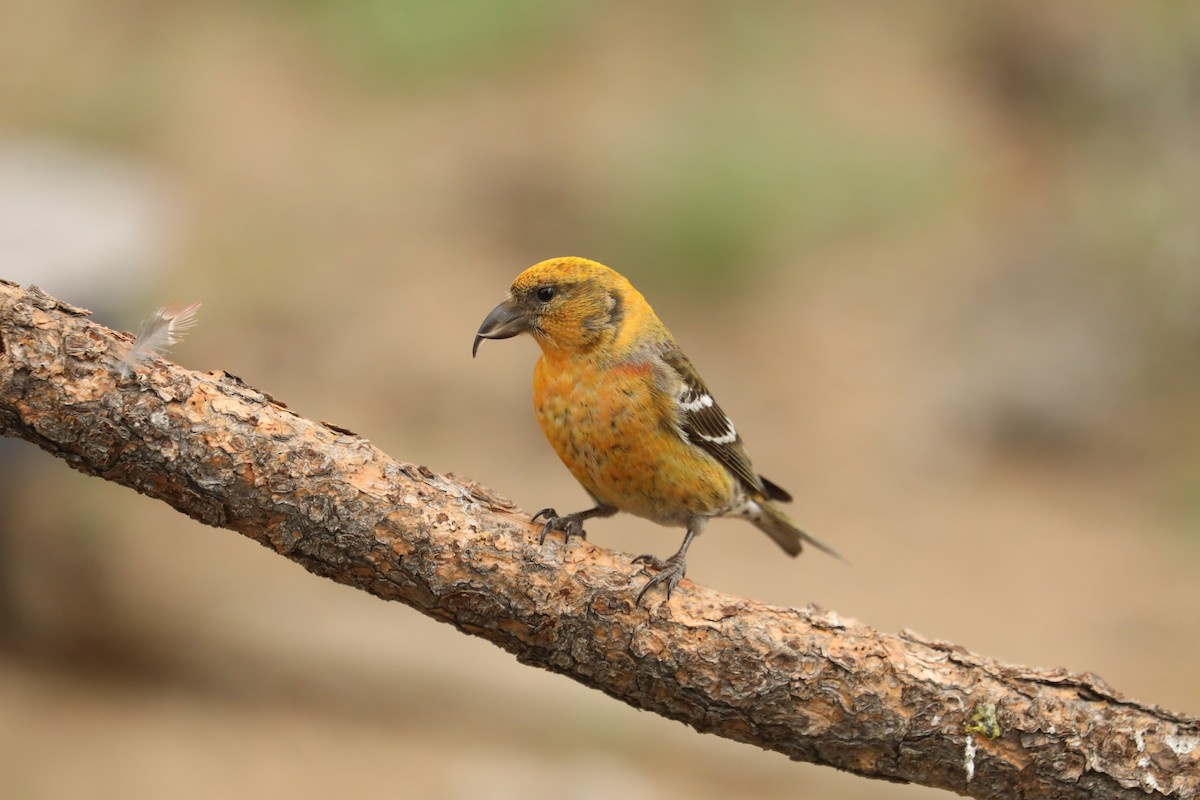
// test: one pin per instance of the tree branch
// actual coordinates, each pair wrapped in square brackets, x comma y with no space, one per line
[805,682]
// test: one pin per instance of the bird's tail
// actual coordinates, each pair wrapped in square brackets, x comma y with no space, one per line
[787,534]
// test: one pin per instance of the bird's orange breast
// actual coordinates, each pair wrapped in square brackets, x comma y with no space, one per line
[616,435]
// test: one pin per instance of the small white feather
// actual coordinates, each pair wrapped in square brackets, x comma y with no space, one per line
[158,332]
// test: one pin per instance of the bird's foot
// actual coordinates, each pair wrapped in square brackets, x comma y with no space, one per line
[669,571]
[570,524]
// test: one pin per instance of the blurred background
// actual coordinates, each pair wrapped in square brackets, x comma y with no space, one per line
[940,261]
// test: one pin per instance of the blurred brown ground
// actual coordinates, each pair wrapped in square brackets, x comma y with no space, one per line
[939,261]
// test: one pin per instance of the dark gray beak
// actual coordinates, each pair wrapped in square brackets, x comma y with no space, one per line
[505,322]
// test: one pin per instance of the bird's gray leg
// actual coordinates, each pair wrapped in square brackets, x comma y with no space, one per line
[570,524]
[671,570]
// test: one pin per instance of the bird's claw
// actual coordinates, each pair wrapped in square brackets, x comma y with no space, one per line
[669,571]
[570,525]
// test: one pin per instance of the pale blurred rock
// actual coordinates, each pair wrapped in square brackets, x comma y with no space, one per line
[86,226]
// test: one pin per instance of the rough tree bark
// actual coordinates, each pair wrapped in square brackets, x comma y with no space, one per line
[805,682]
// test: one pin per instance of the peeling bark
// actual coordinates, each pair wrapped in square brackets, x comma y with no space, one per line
[806,682]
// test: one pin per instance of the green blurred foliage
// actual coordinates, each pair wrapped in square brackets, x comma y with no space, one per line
[422,43]
[727,190]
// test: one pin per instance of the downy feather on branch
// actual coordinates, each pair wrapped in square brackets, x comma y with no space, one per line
[158,332]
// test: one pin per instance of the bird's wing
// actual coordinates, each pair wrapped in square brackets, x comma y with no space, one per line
[701,422]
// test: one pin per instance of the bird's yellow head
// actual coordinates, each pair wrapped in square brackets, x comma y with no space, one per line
[569,305]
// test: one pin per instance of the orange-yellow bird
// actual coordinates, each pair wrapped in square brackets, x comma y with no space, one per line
[627,413]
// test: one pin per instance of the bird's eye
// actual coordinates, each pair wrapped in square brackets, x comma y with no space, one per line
[545,294]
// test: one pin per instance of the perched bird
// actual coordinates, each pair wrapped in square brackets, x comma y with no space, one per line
[628,415]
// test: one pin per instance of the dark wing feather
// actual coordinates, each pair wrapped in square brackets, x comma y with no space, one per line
[705,425]
[774,491]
